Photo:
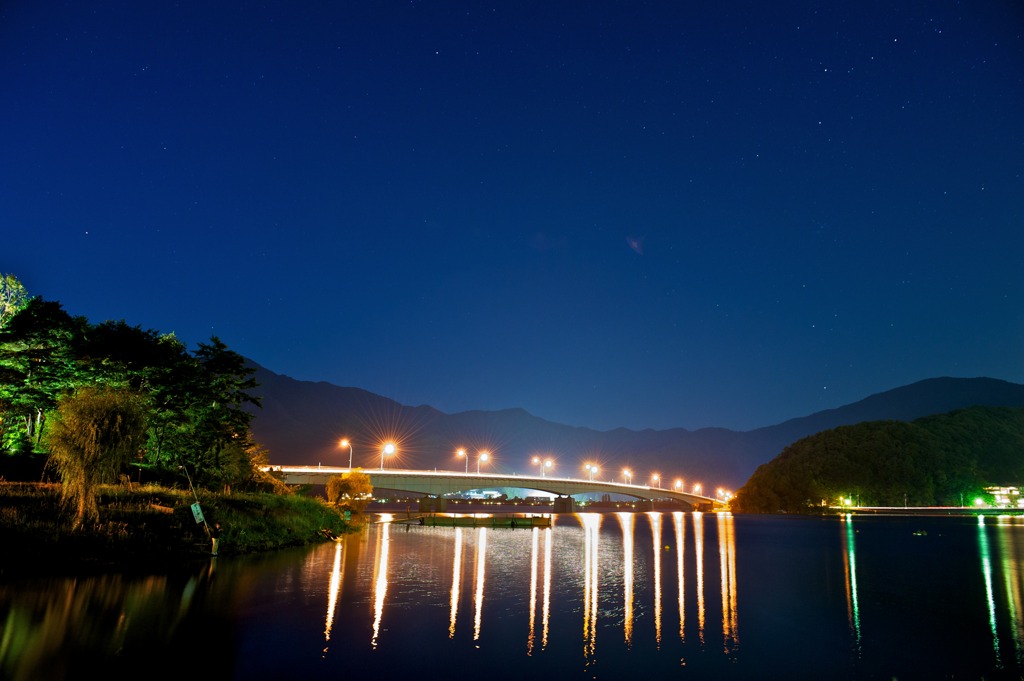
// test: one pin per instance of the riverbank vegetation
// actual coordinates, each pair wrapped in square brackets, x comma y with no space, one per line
[151,527]
[941,460]
[89,411]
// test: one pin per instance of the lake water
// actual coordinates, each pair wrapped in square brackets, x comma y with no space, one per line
[597,596]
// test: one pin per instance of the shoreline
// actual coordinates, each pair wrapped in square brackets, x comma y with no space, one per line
[926,510]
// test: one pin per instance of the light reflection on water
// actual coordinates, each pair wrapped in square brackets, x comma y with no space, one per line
[850,573]
[594,596]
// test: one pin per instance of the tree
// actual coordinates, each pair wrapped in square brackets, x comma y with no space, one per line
[240,464]
[212,394]
[351,491]
[96,432]
[13,297]
[38,362]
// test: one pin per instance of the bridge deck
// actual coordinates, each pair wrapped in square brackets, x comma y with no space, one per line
[439,483]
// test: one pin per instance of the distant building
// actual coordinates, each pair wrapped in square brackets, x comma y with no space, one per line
[1005,497]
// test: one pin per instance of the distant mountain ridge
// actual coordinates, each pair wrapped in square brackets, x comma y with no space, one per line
[301,422]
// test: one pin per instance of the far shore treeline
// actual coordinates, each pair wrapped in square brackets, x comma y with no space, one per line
[942,460]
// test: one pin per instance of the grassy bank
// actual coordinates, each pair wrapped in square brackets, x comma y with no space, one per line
[150,527]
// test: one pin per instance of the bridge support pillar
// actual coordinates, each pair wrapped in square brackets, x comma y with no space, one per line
[433,504]
[565,505]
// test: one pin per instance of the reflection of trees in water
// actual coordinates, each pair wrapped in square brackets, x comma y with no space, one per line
[55,628]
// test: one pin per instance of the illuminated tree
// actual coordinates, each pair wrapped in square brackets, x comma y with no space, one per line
[13,297]
[38,362]
[351,491]
[194,402]
[96,432]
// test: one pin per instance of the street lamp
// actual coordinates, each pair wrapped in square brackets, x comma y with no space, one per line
[627,476]
[460,452]
[679,484]
[591,468]
[546,463]
[346,443]
[656,479]
[389,449]
[696,488]
[484,456]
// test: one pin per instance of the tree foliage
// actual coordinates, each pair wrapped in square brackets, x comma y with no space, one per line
[38,362]
[96,432]
[194,403]
[936,460]
[13,297]
[351,491]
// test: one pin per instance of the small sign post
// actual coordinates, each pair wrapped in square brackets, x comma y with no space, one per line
[198,513]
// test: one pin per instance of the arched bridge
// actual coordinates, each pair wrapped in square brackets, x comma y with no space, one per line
[440,483]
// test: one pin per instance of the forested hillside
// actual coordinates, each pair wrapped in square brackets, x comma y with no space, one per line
[944,460]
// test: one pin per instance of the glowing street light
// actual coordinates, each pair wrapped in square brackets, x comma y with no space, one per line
[656,479]
[591,468]
[389,449]
[484,456]
[679,485]
[696,488]
[627,476]
[346,443]
[460,452]
[545,464]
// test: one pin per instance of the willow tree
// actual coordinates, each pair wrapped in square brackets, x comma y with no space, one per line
[96,432]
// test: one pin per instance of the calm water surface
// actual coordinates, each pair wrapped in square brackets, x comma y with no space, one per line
[597,596]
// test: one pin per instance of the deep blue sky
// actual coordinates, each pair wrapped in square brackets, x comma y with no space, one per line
[629,214]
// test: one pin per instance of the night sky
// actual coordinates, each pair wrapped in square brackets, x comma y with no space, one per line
[639,214]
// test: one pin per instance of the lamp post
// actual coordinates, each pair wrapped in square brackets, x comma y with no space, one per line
[484,456]
[346,443]
[656,479]
[627,476]
[696,488]
[591,469]
[679,484]
[546,463]
[389,449]
[460,452]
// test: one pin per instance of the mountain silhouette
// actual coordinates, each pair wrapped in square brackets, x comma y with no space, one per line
[302,423]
